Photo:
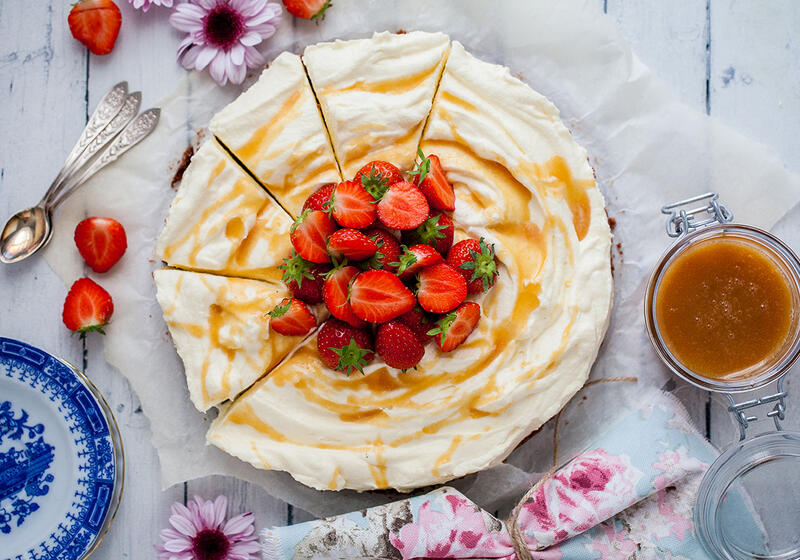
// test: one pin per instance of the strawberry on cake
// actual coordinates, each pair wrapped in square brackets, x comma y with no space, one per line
[441,299]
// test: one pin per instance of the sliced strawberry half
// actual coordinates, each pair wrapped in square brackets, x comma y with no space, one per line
[415,258]
[87,307]
[343,347]
[476,261]
[377,176]
[437,231]
[403,206]
[351,244]
[454,328]
[292,317]
[309,233]
[303,278]
[319,198]
[101,242]
[441,288]
[378,296]
[308,9]
[388,250]
[352,206]
[397,344]
[433,183]
[335,294]
[95,23]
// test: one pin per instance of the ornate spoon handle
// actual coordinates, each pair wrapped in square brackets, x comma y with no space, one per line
[106,110]
[125,115]
[135,132]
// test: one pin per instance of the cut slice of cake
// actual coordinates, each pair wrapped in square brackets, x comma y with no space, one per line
[376,93]
[220,329]
[275,129]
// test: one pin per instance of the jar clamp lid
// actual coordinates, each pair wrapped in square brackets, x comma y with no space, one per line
[759,476]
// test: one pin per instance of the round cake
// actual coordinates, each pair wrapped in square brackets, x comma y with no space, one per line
[522,186]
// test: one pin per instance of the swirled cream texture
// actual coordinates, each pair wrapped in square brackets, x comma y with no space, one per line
[522,183]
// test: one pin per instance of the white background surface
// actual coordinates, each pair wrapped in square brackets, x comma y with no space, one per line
[736,60]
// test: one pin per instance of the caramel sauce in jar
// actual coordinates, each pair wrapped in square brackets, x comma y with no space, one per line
[724,306]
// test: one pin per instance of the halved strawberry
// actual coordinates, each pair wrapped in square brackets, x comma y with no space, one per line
[432,182]
[351,244]
[415,258]
[319,198]
[419,322]
[352,206]
[307,9]
[388,250]
[437,231]
[343,347]
[95,23]
[476,262]
[397,344]
[441,288]
[378,296]
[455,327]
[304,279]
[101,242]
[335,293]
[377,176]
[309,233]
[403,206]
[292,317]
[87,307]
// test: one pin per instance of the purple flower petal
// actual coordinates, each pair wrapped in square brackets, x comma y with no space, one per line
[220,508]
[236,525]
[205,56]
[253,58]
[217,68]
[183,525]
[208,4]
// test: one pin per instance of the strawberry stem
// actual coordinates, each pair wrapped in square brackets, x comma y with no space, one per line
[351,356]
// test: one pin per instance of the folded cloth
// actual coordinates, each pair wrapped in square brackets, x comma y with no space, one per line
[629,494]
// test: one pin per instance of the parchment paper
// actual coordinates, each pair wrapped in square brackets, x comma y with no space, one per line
[647,150]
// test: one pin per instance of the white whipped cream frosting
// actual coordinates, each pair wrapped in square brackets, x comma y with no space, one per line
[275,129]
[376,93]
[220,330]
[523,184]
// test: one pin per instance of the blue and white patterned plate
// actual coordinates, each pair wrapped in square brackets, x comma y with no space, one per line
[61,461]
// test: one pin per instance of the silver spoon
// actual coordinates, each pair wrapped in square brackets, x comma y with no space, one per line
[29,230]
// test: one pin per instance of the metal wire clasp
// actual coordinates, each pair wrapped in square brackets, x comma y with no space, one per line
[777,413]
[682,220]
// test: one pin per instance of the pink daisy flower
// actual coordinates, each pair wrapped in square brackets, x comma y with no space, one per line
[222,35]
[144,5]
[199,532]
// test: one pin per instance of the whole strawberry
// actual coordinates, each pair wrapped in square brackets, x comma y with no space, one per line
[304,279]
[308,9]
[388,250]
[419,322]
[437,231]
[87,307]
[95,23]
[343,347]
[319,198]
[377,176]
[397,344]
[476,262]
[101,242]
[292,317]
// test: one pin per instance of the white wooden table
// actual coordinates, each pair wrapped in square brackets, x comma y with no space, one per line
[737,60]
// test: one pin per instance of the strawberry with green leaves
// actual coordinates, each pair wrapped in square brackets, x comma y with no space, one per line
[292,317]
[378,296]
[336,293]
[388,250]
[454,328]
[303,278]
[397,344]
[433,183]
[351,205]
[377,176]
[437,231]
[87,307]
[441,288]
[419,322]
[309,234]
[403,206]
[415,258]
[319,198]
[476,262]
[308,9]
[344,347]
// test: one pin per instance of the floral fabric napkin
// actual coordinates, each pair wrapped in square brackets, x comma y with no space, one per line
[629,494]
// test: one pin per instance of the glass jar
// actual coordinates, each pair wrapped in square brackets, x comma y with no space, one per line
[748,503]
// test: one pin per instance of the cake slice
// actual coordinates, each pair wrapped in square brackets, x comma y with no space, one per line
[221,331]
[222,221]
[275,129]
[376,93]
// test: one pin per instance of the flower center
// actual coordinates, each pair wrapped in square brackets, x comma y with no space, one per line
[210,544]
[223,26]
